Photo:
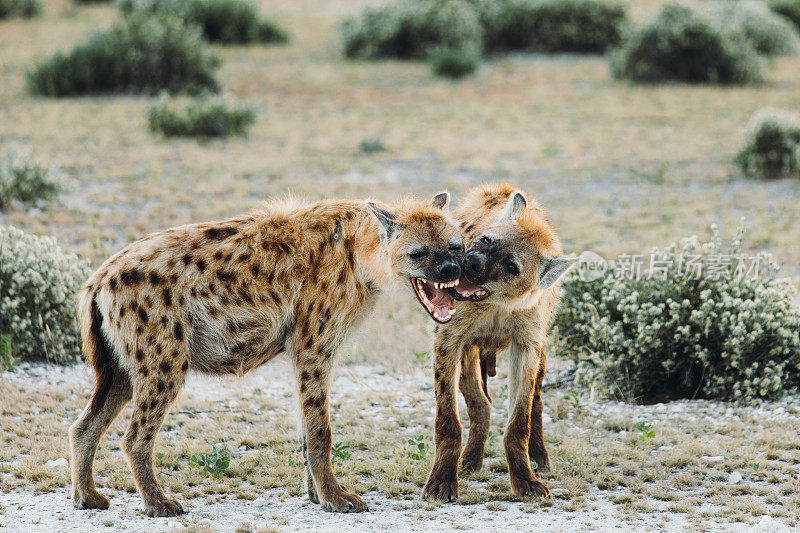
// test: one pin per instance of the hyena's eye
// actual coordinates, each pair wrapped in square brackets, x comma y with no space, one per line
[418,253]
[485,240]
[512,268]
[456,246]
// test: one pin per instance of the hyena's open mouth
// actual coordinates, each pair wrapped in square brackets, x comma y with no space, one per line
[435,299]
[466,290]
[438,299]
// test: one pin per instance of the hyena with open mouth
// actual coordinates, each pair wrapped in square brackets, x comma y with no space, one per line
[226,297]
[507,295]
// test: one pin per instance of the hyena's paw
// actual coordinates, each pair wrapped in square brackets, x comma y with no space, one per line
[443,488]
[472,461]
[344,502]
[90,500]
[165,507]
[542,460]
[529,487]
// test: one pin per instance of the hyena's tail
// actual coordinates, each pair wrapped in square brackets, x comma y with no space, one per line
[96,349]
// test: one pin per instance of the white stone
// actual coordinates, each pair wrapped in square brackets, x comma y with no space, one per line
[767,524]
[734,477]
[55,464]
[713,458]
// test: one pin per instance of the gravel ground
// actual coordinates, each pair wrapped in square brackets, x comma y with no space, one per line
[277,510]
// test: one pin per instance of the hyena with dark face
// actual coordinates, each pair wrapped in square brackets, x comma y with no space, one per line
[226,297]
[508,293]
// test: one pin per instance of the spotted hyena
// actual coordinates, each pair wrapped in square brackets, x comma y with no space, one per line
[508,293]
[226,297]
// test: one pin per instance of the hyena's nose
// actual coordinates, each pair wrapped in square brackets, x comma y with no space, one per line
[474,263]
[449,270]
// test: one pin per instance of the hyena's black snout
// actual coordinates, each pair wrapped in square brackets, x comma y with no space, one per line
[474,264]
[449,270]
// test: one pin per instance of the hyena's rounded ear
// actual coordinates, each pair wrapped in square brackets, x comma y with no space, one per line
[514,207]
[386,223]
[441,200]
[552,268]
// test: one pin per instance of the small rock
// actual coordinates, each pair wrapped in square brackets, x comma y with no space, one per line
[562,494]
[713,458]
[734,477]
[767,524]
[174,524]
[55,464]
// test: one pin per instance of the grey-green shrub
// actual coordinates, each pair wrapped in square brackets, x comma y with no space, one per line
[453,62]
[25,181]
[790,9]
[772,147]
[584,26]
[204,118]
[20,8]
[39,283]
[753,21]
[412,29]
[144,54]
[735,337]
[221,21]
[681,45]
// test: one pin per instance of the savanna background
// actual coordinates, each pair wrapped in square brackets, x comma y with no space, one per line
[621,166]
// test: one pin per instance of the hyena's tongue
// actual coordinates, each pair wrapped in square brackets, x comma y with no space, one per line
[441,303]
[465,287]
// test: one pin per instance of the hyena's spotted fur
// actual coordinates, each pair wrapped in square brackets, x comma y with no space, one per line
[226,297]
[503,228]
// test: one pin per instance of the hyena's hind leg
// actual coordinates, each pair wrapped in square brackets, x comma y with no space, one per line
[154,393]
[112,393]
[479,407]
[312,491]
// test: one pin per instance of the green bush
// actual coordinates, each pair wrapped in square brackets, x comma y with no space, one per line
[789,9]
[772,148]
[38,287]
[23,180]
[767,32]
[412,29]
[585,26]
[679,335]
[145,54]
[222,21]
[680,45]
[454,63]
[20,8]
[206,118]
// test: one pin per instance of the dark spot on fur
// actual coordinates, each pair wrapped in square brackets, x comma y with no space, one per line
[187,258]
[130,277]
[160,385]
[164,320]
[139,354]
[185,366]
[193,293]
[167,297]
[201,265]
[155,279]
[217,255]
[112,283]
[317,373]
[121,312]
[244,257]
[221,233]
[143,371]
[226,276]
[255,270]
[178,331]
[165,367]
[143,315]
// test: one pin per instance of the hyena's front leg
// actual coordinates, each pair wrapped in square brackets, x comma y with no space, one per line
[310,488]
[479,407]
[443,480]
[314,374]
[151,401]
[536,448]
[523,368]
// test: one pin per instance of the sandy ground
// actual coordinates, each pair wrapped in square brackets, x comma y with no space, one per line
[277,510]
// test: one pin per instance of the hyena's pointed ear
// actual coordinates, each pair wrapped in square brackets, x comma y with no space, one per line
[514,207]
[441,201]
[386,223]
[552,268]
